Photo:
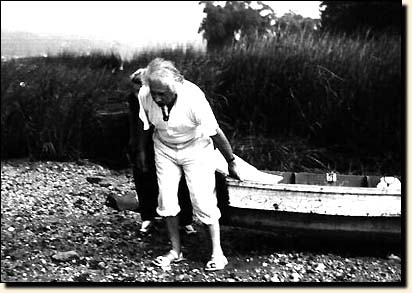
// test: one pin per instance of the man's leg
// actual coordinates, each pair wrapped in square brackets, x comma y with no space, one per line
[168,177]
[175,254]
[173,228]
[199,170]
[186,213]
[214,230]
[147,192]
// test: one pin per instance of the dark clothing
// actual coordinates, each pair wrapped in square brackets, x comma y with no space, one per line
[147,191]
[146,183]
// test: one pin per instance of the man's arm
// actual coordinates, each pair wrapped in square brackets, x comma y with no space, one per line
[222,143]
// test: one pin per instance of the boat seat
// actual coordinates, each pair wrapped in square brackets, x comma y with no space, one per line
[373,180]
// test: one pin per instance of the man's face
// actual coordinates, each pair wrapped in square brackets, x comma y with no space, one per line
[161,93]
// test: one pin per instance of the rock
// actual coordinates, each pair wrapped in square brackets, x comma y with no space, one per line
[181,277]
[122,203]
[391,256]
[274,279]
[94,179]
[106,184]
[165,269]
[320,267]
[82,278]
[295,277]
[82,162]
[66,255]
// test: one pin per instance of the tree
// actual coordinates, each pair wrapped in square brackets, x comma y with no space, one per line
[223,25]
[357,16]
[292,23]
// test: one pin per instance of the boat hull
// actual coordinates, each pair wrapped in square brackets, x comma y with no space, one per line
[337,212]
[366,229]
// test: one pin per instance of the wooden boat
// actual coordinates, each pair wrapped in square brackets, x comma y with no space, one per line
[299,203]
[313,204]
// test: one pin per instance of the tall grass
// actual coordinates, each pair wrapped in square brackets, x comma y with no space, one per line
[291,103]
[49,106]
[336,92]
[313,80]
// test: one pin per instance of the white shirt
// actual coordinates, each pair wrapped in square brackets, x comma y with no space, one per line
[190,118]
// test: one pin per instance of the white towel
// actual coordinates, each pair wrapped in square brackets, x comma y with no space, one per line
[389,183]
[247,172]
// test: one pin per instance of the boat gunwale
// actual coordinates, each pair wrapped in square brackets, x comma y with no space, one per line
[308,188]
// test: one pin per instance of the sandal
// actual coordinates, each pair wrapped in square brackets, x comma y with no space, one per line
[216,263]
[168,258]
[146,226]
[189,230]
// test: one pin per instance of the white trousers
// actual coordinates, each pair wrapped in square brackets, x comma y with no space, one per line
[196,161]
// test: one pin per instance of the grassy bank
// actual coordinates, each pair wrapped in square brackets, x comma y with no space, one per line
[296,103]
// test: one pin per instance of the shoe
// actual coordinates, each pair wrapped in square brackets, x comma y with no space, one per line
[168,258]
[189,230]
[146,226]
[216,263]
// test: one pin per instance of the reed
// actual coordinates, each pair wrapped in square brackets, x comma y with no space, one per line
[333,91]
[49,106]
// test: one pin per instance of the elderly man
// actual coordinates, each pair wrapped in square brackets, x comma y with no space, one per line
[145,180]
[185,130]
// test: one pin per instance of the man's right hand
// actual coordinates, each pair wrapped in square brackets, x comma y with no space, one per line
[141,162]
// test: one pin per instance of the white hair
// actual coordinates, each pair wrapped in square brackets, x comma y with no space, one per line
[164,71]
[139,75]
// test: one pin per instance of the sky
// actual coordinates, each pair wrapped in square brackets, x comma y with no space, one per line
[131,22]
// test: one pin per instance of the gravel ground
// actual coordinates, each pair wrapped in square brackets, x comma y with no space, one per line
[56,228]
